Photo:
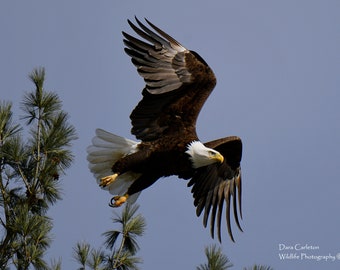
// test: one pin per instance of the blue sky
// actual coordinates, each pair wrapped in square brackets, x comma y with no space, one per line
[278,87]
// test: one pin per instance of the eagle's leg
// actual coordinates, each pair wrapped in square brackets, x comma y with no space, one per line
[125,164]
[107,180]
[117,201]
[138,185]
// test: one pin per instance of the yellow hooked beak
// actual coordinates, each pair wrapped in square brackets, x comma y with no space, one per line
[218,157]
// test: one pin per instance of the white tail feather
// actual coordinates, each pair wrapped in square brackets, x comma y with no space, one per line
[105,150]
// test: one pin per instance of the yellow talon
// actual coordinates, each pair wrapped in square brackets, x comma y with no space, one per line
[118,200]
[107,180]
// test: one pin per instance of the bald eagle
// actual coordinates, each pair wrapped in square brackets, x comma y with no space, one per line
[178,82]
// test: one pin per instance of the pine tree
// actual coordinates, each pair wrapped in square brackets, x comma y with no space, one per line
[29,174]
[216,259]
[121,258]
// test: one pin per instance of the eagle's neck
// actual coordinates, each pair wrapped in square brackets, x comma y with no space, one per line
[200,155]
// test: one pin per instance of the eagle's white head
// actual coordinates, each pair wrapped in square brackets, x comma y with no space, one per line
[201,155]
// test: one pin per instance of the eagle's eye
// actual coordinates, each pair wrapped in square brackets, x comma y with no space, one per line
[212,153]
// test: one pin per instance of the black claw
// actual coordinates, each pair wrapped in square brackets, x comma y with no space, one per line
[112,202]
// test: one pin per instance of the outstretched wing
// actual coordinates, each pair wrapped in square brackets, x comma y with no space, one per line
[216,184]
[178,82]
